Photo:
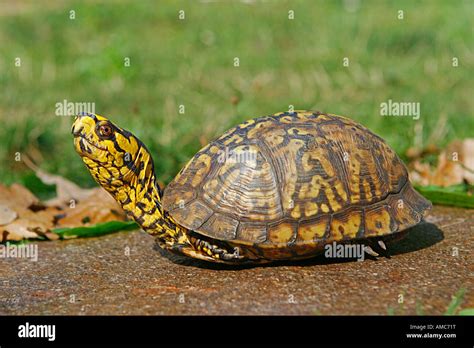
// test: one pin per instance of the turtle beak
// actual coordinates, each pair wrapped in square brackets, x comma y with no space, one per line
[82,125]
[77,127]
[80,128]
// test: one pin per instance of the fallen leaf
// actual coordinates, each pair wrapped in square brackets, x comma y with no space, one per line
[31,218]
[65,190]
[18,230]
[89,212]
[455,165]
[24,216]
[7,215]
[17,197]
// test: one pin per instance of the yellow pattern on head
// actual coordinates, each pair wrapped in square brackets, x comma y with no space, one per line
[122,165]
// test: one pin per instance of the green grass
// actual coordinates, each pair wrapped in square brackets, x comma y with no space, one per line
[452,309]
[190,62]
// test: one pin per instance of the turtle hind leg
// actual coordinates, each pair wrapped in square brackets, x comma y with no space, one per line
[217,253]
[203,250]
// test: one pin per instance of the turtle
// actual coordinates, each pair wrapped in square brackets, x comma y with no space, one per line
[278,187]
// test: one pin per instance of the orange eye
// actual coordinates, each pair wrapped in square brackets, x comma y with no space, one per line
[105,130]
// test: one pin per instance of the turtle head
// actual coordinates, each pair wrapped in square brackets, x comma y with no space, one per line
[114,156]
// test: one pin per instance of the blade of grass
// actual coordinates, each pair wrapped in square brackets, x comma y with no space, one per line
[95,230]
[419,308]
[455,302]
[453,196]
[466,311]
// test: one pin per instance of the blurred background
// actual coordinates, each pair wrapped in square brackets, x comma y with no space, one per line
[138,61]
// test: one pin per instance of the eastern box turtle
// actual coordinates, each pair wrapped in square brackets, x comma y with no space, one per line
[272,188]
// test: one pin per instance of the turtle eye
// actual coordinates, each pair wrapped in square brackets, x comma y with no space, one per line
[105,130]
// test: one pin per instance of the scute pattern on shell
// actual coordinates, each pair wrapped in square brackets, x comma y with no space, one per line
[313,178]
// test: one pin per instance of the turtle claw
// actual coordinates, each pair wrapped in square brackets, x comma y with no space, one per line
[382,245]
[370,251]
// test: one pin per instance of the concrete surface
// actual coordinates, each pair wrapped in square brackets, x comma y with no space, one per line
[96,276]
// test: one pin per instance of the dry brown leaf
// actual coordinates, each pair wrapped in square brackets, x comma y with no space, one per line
[17,200]
[18,230]
[7,214]
[65,190]
[24,216]
[28,217]
[89,212]
[455,166]
[17,197]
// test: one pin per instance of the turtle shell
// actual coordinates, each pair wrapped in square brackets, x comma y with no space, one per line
[294,179]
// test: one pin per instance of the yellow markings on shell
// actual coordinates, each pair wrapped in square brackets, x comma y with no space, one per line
[214,149]
[286,119]
[317,154]
[275,137]
[226,134]
[304,188]
[377,222]
[354,174]
[341,191]
[205,148]
[246,124]
[298,143]
[328,168]
[183,197]
[311,190]
[181,179]
[281,233]
[312,231]
[377,183]
[324,208]
[255,131]
[288,155]
[303,115]
[332,199]
[295,213]
[366,186]
[205,160]
[347,227]
[235,138]
[310,209]
[211,185]
[227,166]
[243,149]
[324,118]
[297,131]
